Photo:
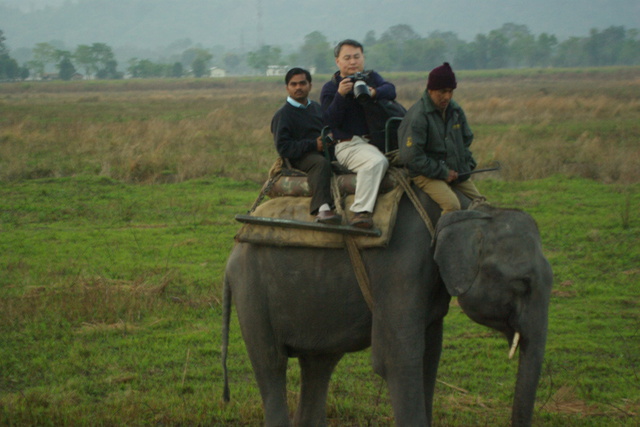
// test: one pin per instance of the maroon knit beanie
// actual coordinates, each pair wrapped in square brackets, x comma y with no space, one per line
[442,77]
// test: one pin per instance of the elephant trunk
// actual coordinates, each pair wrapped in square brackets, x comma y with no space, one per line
[532,348]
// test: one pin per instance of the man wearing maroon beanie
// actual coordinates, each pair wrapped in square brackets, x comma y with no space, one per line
[434,140]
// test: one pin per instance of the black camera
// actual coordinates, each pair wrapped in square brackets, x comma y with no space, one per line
[361,90]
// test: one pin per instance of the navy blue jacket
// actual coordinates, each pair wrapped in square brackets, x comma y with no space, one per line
[295,130]
[345,115]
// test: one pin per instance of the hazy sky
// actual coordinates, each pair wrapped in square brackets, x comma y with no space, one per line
[286,22]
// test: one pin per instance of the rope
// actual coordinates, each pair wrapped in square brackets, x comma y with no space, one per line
[338,200]
[274,174]
[404,182]
[265,189]
[360,270]
[352,248]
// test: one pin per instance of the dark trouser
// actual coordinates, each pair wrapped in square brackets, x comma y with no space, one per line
[318,170]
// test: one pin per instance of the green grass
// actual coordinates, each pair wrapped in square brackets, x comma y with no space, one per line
[116,218]
[110,311]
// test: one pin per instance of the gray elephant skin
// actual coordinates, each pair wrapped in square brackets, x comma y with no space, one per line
[305,303]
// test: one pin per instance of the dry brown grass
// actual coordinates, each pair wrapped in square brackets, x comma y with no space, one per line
[576,124]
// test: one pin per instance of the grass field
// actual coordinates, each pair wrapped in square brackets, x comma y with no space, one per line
[116,218]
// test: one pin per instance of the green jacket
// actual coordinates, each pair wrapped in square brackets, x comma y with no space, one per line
[430,146]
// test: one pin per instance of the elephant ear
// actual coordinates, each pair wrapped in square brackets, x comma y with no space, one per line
[458,248]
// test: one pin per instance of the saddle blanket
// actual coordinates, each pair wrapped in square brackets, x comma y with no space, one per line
[297,208]
[299,187]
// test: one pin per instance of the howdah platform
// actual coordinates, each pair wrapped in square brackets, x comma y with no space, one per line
[316,226]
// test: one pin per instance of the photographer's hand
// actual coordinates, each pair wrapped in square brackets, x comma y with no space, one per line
[346,86]
[373,91]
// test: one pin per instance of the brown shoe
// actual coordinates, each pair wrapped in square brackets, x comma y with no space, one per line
[362,220]
[328,217]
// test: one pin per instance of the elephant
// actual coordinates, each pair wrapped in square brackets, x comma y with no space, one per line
[305,303]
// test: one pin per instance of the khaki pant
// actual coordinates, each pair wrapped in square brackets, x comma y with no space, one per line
[369,164]
[443,194]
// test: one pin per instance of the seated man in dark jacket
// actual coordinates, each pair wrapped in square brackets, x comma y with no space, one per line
[296,129]
[434,140]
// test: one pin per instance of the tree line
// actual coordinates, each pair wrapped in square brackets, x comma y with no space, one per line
[399,48]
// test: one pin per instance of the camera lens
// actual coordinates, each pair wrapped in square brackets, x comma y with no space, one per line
[361,91]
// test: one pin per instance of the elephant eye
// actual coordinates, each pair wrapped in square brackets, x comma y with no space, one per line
[521,286]
[492,271]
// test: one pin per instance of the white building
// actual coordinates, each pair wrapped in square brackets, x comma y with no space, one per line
[277,70]
[217,72]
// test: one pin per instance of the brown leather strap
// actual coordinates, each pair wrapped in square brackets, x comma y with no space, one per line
[359,270]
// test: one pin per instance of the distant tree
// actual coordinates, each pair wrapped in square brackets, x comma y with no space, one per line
[497,50]
[231,61]
[513,31]
[104,61]
[489,51]
[199,67]
[369,39]
[145,68]
[382,57]
[66,69]
[43,55]
[9,69]
[544,48]
[109,70]
[84,58]
[177,70]
[3,47]
[479,52]
[316,52]
[399,33]
[97,60]
[23,73]
[465,57]
[612,46]
[571,53]
[199,59]
[521,44]
[450,40]
[189,55]
[630,53]
[604,48]
[424,54]
[263,57]
[294,58]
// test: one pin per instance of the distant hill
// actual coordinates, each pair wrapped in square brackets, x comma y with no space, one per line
[244,24]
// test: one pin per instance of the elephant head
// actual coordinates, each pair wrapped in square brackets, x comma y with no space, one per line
[492,260]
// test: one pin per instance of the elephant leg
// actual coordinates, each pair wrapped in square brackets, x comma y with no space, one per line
[268,361]
[400,362]
[315,373]
[270,370]
[407,356]
[405,388]
[433,350]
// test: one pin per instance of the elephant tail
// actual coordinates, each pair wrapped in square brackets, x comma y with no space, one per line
[226,320]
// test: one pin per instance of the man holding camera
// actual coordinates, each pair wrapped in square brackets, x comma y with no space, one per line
[345,115]
[296,129]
